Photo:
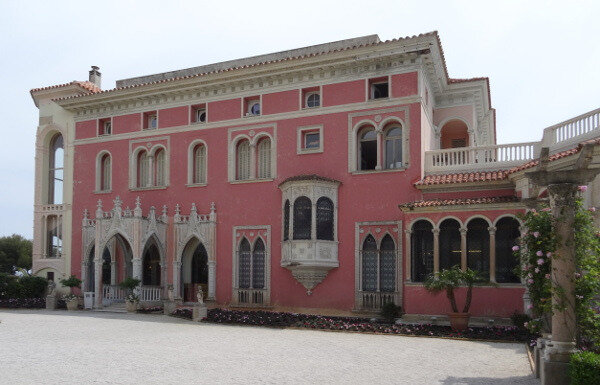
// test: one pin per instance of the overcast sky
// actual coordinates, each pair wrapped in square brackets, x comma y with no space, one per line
[543,58]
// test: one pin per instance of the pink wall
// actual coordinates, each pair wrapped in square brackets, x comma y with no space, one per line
[172,117]
[86,129]
[464,112]
[280,102]
[343,93]
[224,110]
[127,123]
[405,84]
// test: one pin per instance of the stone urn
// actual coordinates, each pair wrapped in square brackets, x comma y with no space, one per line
[72,304]
[131,306]
[459,321]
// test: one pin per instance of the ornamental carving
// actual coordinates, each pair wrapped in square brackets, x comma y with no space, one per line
[197,226]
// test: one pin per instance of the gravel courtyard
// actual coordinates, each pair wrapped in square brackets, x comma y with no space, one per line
[47,347]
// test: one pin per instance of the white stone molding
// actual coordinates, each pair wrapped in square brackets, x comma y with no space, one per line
[203,229]
[253,134]
[310,260]
[300,145]
[151,146]
[191,162]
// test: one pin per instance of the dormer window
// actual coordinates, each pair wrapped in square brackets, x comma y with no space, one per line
[379,88]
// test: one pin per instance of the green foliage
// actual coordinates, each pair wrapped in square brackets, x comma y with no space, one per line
[130,283]
[585,368]
[449,279]
[71,282]
[15,252]
[539,247]
[12,287]
[519,320]
[390,311]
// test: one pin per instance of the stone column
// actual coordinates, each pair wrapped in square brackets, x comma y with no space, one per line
[177,279]
[492,231]
[408,255]
[463,248]
[562,345]
[436,250]
[113,272]
[379,150]
[313,220]
[97,277]
[212,279]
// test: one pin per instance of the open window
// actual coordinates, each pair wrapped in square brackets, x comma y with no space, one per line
[379,88]
[150,120]
[367,141]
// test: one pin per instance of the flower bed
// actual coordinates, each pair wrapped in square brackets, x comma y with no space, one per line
[356,324]
[151,309]
[26,303]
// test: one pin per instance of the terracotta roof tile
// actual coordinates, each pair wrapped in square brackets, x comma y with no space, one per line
[89,86]
[552,157]
[458,201]
[467,177]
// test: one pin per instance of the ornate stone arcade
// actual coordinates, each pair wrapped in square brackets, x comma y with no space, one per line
[136,233]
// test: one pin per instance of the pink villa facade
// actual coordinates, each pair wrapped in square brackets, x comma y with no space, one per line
[331,177]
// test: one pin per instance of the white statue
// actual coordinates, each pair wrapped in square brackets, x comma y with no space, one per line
[200,295]
[51,287]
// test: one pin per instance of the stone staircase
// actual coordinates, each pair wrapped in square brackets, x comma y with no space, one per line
[115,307]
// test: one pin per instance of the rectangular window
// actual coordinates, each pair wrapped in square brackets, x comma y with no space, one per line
[199,113]
[150,120]
[104,126]
[310,139]
[379,88]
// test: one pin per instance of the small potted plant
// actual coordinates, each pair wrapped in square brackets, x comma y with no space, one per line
[448,280]
[71,299]
[131,299]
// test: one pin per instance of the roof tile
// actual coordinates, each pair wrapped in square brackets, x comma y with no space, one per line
[458,201]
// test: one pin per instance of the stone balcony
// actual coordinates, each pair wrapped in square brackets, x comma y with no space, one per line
[309,260]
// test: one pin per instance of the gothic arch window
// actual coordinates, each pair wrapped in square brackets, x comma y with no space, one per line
[369,264]
[105,173]
[258,265]
[325,219]
[302,218]
[199,164]
[367,149]
[56,170]
[450,247]
[393,147]
[387,265]
[421,252]
[159,171]
[264,158]
[143,169]
[507,236]
[286,220]
[244,258]
[478,246]
[243,160]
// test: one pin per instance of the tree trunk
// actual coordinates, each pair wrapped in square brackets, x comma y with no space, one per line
[450,295]
[468,299]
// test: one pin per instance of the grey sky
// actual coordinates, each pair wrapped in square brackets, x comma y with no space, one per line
[542,57]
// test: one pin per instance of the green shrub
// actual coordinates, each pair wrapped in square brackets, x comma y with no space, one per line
[9,286]
[72,281]
[130,283]
[585,368]
[390,311]
[519,320]
[32,286]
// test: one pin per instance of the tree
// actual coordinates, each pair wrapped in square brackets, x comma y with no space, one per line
[15,252]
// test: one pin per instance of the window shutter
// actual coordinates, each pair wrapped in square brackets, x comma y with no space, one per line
[264,158]
[160,168]
[199,164]
[243,160]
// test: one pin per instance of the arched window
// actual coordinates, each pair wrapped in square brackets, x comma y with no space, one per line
[325,219]
[369,264]
[106,267]
[264,158]
[199,165]
[56,170]
[507,236]
[313,100]
[302,218]
[159,168]
[286,220]
[244,264]
[393,147]
[151,266]
[243,160]
[387,265]
[105,173]
[258,265]
[450,250]
[53,236]
[421,244]
[368,149]
[478,246]
[143,169]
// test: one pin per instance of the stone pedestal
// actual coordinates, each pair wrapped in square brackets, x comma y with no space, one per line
[169,307]
[555,365]
[51,302]
[538,355]
[199,312]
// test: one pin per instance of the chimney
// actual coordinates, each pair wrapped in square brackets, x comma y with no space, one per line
[95,76]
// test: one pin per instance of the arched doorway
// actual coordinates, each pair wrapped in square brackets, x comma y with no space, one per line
[194,270]
[151,265]
[454,134]
[108,264]
[116,266]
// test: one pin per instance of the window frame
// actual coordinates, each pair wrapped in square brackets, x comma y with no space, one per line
[301,138]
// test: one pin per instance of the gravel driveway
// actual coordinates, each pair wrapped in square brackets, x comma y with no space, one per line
[49,347]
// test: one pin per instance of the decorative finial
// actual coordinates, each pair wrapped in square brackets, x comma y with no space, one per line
[177,216]
[99,212]
[137,211]
[152,213]
[193,210]
[85,213]
[164,214]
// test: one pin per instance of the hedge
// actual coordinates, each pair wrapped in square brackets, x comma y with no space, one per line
[585,368]
[22,287]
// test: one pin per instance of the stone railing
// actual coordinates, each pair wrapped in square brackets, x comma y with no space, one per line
[53,208]
[150,293]
[374,300]
[480,158]
[113,293]
[251,297]
[570,132]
